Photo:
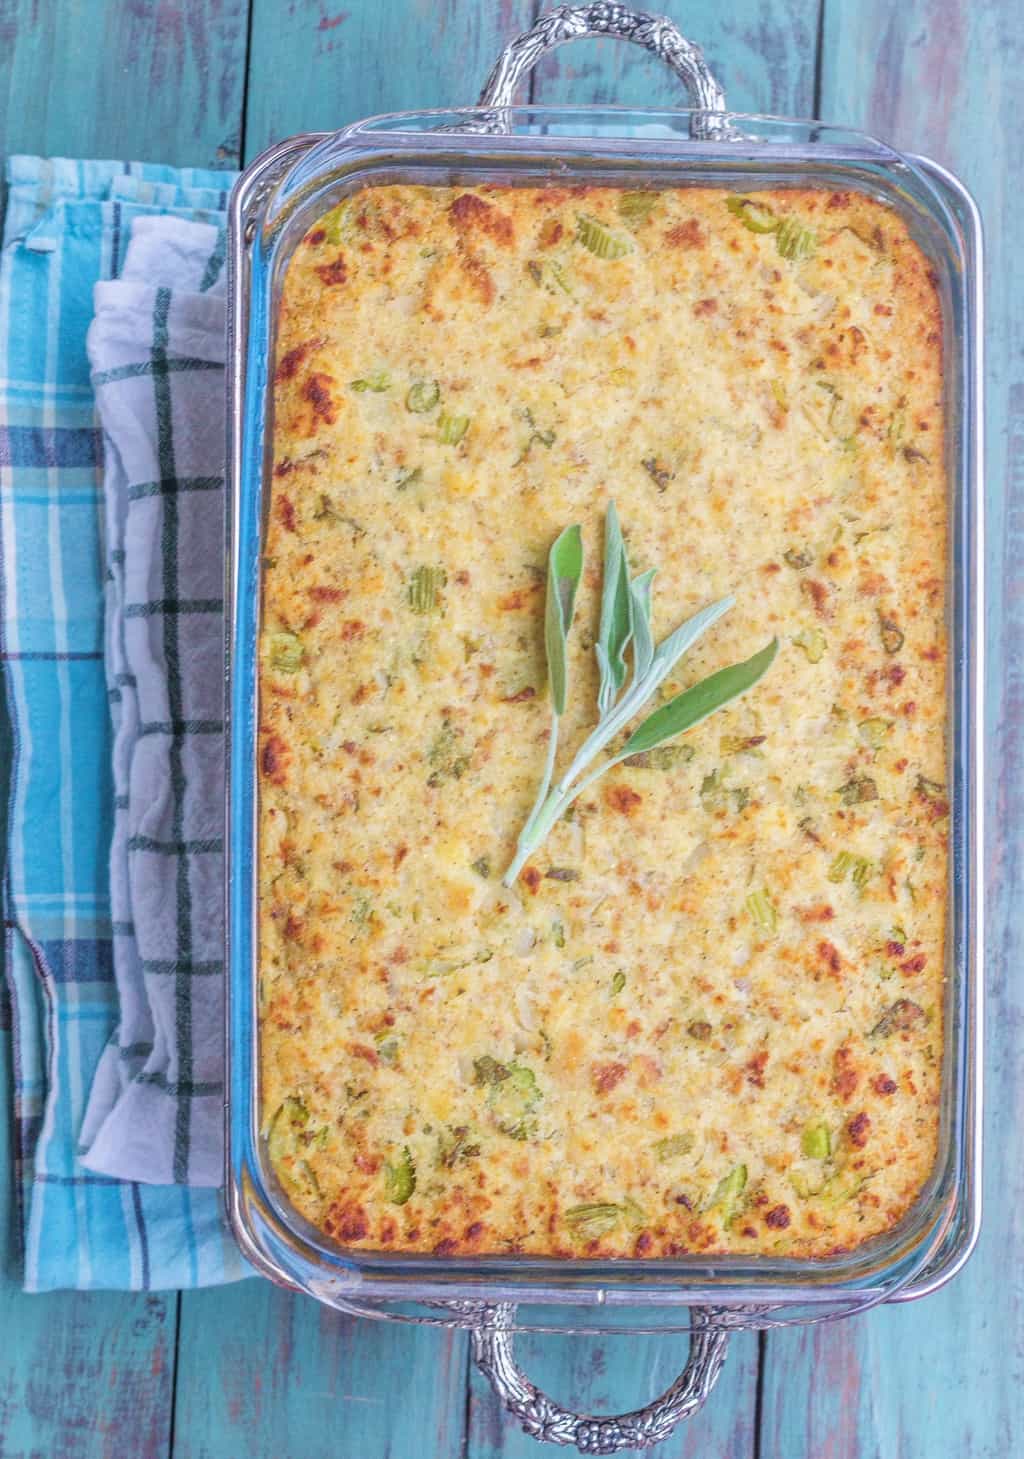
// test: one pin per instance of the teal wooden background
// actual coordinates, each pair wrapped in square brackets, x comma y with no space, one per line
[257,1373]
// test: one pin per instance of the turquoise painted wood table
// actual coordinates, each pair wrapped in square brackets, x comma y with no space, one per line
[252,1371]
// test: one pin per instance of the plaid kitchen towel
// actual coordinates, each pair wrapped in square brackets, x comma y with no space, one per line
[156,347]
[67,226]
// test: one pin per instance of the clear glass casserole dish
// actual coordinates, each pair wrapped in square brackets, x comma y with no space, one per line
[273,205]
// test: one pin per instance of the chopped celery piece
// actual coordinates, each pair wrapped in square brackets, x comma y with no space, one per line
[795,241]
[635,208]
[512,1095]
[451,428]
[600,241]
[799,559]
[377,381]
[816,1143]
[290,1119]
[618,983]
[400,1178]
[756,216]
[858,790]
[762,911]
[422,396]
[424,586]
[727,1193]
[846,864]
[672,1146]
[874,731]
[891,634]
[334,223]
[594,1218]
[812,641]
[665,757]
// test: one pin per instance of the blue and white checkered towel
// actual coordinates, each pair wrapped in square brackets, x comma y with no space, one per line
[156,346]
[67,227]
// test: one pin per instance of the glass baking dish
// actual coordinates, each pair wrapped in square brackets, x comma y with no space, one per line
[274,203]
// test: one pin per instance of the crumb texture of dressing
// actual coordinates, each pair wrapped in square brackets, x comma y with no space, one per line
[708,1015]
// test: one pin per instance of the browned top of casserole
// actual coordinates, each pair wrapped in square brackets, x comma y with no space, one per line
[708,1016]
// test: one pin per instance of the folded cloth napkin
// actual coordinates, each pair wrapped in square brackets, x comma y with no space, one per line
[156,346]
[67,226]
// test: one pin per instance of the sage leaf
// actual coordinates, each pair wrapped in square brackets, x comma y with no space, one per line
[614,631]
[697,702]
[640,623]
[565,568]
[671,649]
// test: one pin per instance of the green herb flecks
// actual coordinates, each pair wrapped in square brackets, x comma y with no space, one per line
[625,624]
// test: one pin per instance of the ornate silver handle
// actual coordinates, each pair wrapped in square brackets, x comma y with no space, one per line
[547,1421]
[604,18]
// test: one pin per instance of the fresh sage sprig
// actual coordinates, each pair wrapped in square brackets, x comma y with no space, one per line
[565,568]
[625,622]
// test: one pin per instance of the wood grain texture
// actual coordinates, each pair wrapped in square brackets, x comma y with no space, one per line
[761,51]
[614,1375]
[945,1376]
[146,79]
[83,1375]
[262,1373]
[271,1375]
[318,64]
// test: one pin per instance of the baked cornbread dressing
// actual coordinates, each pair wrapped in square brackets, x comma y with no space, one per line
[708,1016]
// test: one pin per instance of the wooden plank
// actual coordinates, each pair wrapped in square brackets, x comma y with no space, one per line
[614,1375]
[90,1375]
[946,1375]
[82,1375]
[108,78]
[273,1375]
[761,51]
[318,64]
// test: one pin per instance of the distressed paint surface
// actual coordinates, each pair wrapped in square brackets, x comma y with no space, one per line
[317,65]
[264,1373]
[146,79]
[945,1376]
[761,51]
[78,1371]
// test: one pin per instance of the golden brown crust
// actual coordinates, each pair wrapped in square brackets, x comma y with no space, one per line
[615,1059]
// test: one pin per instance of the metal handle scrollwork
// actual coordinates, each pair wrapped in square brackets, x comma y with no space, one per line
[656,33]
[547,1421]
